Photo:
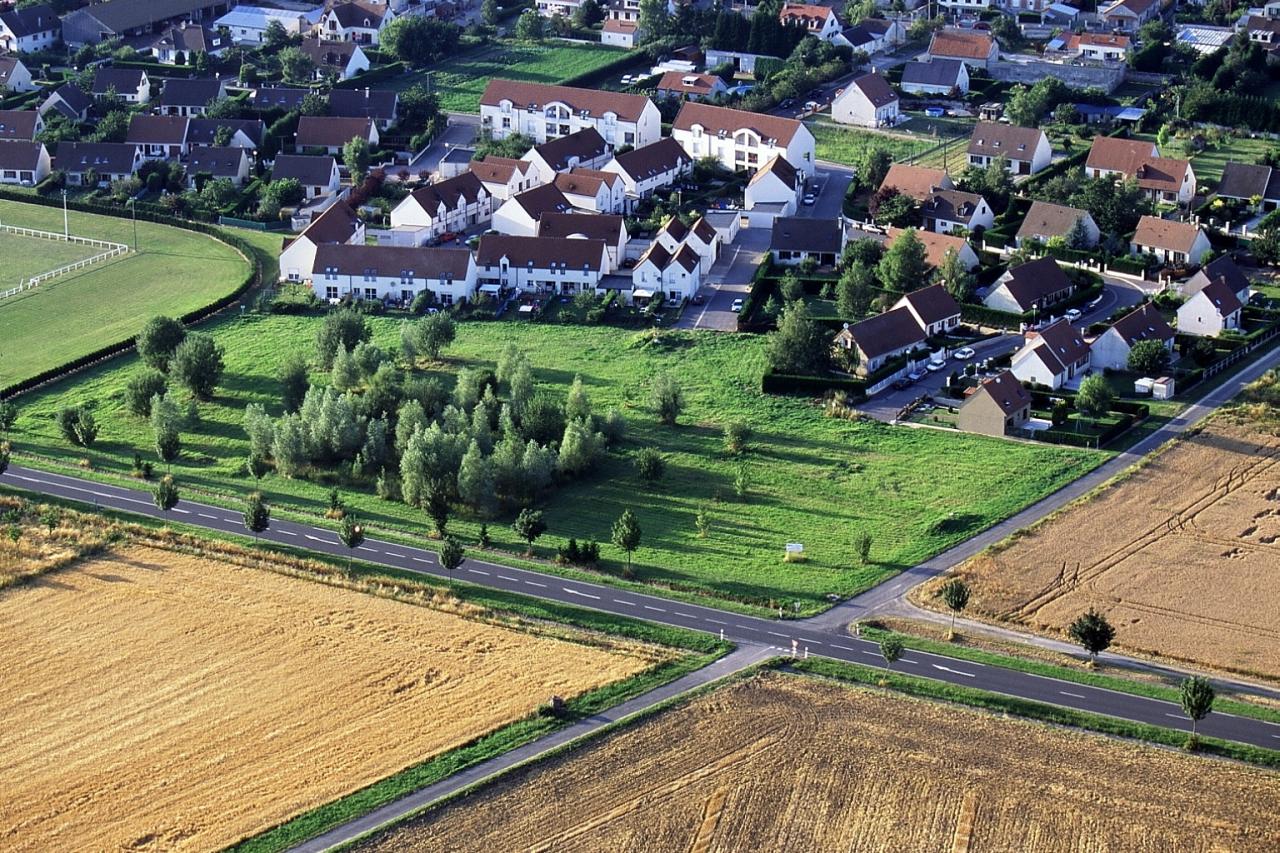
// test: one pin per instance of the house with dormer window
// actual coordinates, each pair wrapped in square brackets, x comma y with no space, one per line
[550,265]
[397,273]
[544,112]
[742,140]
[355,21]
[453,204]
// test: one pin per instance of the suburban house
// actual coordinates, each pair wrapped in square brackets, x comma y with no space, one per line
[1045,221]
[392,273]
[248,24]
[797,238]
[652,167]
[1164,179]
[937,77]
[29,28]
[878,339]
[1144,323]
[338,224]
[24,163]
[819,21]
[997,406]
[544,112]
[519,215]
[1026,149]
[1052,357]
[190,97]
[237,132]
[70,102]
[676,275]
[20,125]
[1220,268]
[14,76]
[1247,182]
[610,228]
[284,98]
[504,177]
[972,47]
[130,85]
[699,237]
[936,246]
[453,204]
[1172,242]
[742,140]
[593,190]
[1129,15]
[91,163]
[873,35]
[867,101]
[378,104]
[1034,286]
[691,86]
[355,21]
[620,33]
[585,148]
[127,19]
[1211,311]
[319,176]
[934,308]
[180,45]
[330,133]
[1103,47]
[919,182]
[340,59]
[775,187]
[218,163]
[159,137]
[540,264]
[949,210]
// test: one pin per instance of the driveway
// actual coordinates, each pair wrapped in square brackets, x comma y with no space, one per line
[729,279]
[886,405]
[461,131]
[832,182]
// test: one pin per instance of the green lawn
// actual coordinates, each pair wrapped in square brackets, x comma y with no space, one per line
[175,272]
[843,144]
[25,256]
[814,480]
[1209,162]
[459,82]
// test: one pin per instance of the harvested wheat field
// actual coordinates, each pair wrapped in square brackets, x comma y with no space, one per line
[1183,556]
[783,762]
[158,700]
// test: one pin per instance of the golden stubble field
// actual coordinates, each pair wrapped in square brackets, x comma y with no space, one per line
[157,700]
[782,762]
[1183,557]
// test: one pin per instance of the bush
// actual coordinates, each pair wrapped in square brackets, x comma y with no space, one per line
[77,425]
[812,386]
[650,464]
[141,388]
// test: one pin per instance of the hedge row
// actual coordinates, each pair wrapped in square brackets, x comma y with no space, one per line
[1075,439]
[981,315]
[190,318]
[373,75]
[1128,264]
[590,78]
[810,386]
[761,287]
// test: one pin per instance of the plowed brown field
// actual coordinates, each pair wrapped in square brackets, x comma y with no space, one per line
[789,764]
[155,700]
[1183,557]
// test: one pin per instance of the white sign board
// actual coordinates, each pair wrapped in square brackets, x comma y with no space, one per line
[795,548]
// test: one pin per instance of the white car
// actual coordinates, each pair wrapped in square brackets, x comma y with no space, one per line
[810,198]
[812,106]
[736,306]
[935,366]
[1073,314]
[916,375]
[963,354]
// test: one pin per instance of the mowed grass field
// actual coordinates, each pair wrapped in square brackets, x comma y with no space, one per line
[156,699]
[25,256]
[460,82]
[1182,556]
[175,272]
[848,145]
[783,762]
[814,480]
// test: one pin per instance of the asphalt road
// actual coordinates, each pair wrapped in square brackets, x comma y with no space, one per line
[819,636]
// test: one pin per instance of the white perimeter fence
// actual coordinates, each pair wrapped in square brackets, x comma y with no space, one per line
[112,250]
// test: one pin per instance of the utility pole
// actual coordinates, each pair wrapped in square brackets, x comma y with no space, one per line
[66,229]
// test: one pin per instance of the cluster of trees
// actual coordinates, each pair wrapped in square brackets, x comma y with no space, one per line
[1028,105]
[994,182]
[1115,205]
[419,40]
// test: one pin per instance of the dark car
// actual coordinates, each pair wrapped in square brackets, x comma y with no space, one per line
[788,103]
[901,384]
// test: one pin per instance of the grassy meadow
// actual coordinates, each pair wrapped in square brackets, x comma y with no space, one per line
[25,256]
[844,144]
[174,272]
[814,480]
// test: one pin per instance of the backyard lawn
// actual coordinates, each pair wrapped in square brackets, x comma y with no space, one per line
[459,82]
[1209,162]
[842,144]
[812,479]
[174,272]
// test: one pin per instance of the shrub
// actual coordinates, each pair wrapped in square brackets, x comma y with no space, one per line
[141,388]
[650,464]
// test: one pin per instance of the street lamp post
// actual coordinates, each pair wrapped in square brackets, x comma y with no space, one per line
[66,229]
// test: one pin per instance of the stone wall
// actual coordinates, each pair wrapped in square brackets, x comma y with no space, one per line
[1106,78]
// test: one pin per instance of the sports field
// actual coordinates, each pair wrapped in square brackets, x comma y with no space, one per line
[783,762]
[174,272]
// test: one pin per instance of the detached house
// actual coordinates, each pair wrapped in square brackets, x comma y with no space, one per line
[1211,311]
[540,264]
[936,77]
[20,125]
[1223,268]
[519,215]
[652,167]
[236,132]
[1129,15]
[341,59]
[972,47]
[14,76]
[1164,179]
[797,238]
[867,101]
[396,273]
[592,190]
[1026,149]
[876,340]
[504,177]
[159,137]
[934,309]
[330,133]
[1045,221]
[675,275]
[453,204]
[355,21]
[997,406]
[693,87]
[1052,357]
[575,226]
[1034,286]
[1144,323]
[91,163]
[950,210]
[379,105]
[131,85]
[1171,242]
[776,187]
[918,182]
[819,21]
[544,112]
[68,101]
[742,140]
[338,224]
[218,163]
[29,28]
[583,148]
[181,44]
[1103,47]
[620,33]
[319,176]
[1247,182]
[937,246]
[190,97]
[872,36]
[24,163]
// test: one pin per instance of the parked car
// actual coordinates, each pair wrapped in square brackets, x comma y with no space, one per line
[901,384]
[916,375]
[787,104]
[1073,314]
[812,106]
[736,306]
[698,299]
[963,354]
[810,198]
[935,366]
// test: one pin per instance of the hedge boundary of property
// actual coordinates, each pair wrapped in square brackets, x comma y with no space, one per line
[253,279]
[810,386]
[761,286]
[596,75]
[373,75]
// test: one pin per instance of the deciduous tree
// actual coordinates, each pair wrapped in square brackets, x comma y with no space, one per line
[197,364]
[1197,696]
[1093,632]
[626,534]
[955,594]
[529,525]
[257,514]
[158,340]
[667,398]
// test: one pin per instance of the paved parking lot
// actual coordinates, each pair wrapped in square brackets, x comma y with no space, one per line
[728,280]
